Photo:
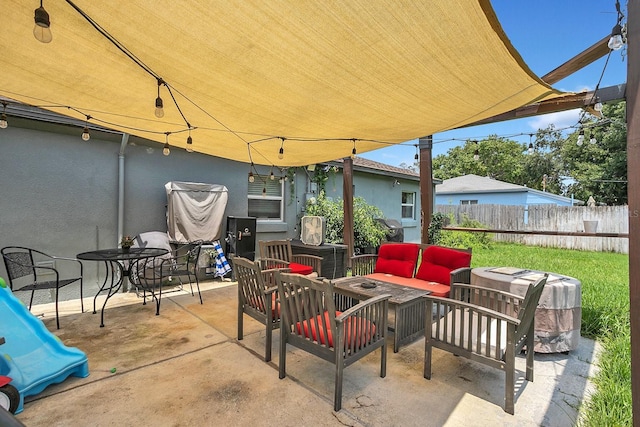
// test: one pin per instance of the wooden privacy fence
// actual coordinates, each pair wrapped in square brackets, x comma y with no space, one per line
[551,225]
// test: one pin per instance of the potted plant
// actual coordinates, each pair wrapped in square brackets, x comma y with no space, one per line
[126,243]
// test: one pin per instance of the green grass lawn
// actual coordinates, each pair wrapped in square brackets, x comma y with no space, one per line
[605,316]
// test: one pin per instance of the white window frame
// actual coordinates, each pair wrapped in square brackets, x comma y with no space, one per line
[468,202]
[260,182]
[412,205]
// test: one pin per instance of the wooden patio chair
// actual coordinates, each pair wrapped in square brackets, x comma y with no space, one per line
[257,297]
[484,325]
[278,254]
[309,321]
[31,270]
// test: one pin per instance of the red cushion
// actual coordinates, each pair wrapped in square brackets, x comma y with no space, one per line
[438,262]
[258,304]
[300,268]
[398,259]
[357,333]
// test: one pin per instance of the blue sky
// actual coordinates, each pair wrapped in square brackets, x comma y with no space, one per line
[546,33]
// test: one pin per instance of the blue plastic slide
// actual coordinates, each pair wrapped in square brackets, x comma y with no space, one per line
[32,356]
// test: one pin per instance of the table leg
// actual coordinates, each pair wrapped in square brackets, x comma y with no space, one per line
[114,286]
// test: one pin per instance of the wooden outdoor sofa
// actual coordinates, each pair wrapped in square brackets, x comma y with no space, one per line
[397,263]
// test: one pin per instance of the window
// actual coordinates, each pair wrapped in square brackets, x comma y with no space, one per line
[408,205]
[468,202]
[265,199]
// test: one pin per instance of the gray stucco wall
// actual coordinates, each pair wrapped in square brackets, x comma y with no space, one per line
[59,193]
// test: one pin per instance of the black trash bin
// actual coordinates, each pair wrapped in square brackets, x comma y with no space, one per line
[395,232]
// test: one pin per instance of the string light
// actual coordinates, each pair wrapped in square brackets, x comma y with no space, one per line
[281,151]
[251,177]
[159,104]
[353,152]
[417,156]
[580,137]
[272,176]
[616,40]
[264,191]
[530,149]
[593,139]
[85,131]
[476,153]
[3,118]
[189,147]
[165,150]
[597,106]
[41,29]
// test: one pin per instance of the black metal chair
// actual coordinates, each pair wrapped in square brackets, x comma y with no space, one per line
[184,262]
[26,268]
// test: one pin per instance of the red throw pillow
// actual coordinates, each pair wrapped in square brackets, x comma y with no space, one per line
[438,262]
[398,259]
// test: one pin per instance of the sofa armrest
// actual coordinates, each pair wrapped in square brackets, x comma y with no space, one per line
[362,265]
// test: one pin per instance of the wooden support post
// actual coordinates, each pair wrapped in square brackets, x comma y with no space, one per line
[347,196]
[633,192]
[426,186]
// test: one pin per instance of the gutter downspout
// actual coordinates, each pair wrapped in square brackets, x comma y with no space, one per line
[123,146]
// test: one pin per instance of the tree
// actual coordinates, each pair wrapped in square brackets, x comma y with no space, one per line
[599,169]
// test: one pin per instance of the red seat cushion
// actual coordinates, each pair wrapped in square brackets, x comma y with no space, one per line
[357,333]
[398,259]
[300,268]
[438,263]
[258,304]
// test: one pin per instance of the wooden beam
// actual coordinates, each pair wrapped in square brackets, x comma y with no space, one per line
[578,62]
[537,232]
[426,186]
[633,195]
[560,103]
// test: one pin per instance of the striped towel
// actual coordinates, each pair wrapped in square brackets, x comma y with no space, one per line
[222,265]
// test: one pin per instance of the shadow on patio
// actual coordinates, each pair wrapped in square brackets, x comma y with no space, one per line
[186,367]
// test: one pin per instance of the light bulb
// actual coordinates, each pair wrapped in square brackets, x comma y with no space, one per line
[3,121]
[281,153]
[616,42]
[530,149]
[264,191]
[476,155]
[353,153]
[159,109]
[41,30]
[189,144]
[272,176]
[166,151]
[597,106]
[251,177]
[593,140]
[580,138]
[85,134]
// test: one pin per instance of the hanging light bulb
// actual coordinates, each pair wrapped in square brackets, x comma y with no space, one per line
[272,177]
[580,137]
[597,106]
[281,151]
[85,134]
[616,42]
[159,104]
[417,156]
[41,29]
[354,152]
[251,177]
[165,150]
[593,139]
[3,118]
[476,153]
[264,191]
[530,149]
[189,147]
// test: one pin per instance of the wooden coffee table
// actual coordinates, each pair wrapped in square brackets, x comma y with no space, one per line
[408,305]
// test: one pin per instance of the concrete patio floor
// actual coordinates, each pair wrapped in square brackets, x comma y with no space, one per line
[186,367]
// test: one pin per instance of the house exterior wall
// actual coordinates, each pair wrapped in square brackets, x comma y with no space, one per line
[60,193]
[514,198]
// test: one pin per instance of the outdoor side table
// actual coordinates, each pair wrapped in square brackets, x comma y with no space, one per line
[559,312]
[114,261]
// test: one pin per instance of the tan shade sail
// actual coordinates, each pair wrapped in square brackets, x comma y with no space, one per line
[322,75]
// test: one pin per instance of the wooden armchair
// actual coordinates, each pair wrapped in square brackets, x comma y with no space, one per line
[278,254]
[484,325]
[257,297]
[310,322]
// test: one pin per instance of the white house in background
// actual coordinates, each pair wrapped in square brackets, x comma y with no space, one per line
[473,189]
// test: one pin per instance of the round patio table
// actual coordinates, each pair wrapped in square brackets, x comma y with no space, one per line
[559,312]
[114,261]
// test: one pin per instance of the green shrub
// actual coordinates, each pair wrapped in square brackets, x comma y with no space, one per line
[368,233]
[458,239]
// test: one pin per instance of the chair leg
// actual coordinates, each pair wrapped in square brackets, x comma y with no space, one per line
[529,369]
[510,369]
[427,359]
[282,368]
[158,300]
[81,298]
[57,315]
[337,398]
[383,360]
[198,288]
[267,346]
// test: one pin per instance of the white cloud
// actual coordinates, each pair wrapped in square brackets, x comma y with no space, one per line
[560,120]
